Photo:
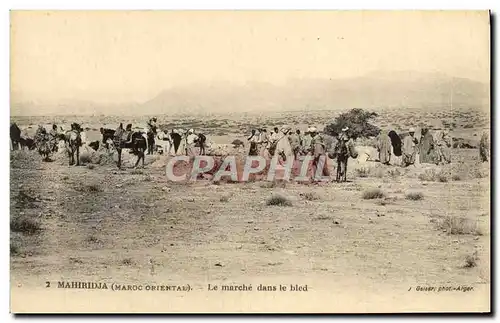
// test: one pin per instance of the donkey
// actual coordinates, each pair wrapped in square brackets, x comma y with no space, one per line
[73,142]
[138,145]
[343,150]
[201,142]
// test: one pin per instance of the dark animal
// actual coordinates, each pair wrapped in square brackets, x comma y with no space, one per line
[94,145]
[28,143]
[200,142]
[176,138]
[343,149]
[15,135]
[107,134]
[138,145]
[73,142]
[396,142]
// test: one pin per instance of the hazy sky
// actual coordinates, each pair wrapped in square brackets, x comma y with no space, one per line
[121,56]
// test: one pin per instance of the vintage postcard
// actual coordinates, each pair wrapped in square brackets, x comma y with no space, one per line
[250,161]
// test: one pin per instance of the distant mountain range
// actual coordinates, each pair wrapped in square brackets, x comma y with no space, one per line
[372,91]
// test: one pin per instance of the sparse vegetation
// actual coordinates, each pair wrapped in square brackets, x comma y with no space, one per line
[311,196]
[273,184]
[459,226]
[24,225]
[373,193]
[89,188]
[471,260]
[279,200]
[414,196]
[14,249]
[362,172]
[127,262]
[431,175]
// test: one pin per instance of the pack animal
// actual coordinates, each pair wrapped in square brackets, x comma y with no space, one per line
[73,141]
[343,150]
[200,142]
[138,145]
[107,136]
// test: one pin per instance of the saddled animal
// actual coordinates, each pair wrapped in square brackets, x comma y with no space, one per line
[137,144]
[106,135]
[342,151]
[73,140]
[15,135]
[201,142]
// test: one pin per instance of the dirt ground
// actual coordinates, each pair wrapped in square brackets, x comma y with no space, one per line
[354,254]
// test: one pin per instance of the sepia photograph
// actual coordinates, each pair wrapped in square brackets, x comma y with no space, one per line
[250,161]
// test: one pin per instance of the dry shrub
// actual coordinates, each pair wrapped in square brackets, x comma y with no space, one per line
[394,172]
[26,199]
[311,196]
[89,188]
[431,175]
[279,183]
[443,178]
[279,200]
[471,260]
[127,262]
[137,172]
[478,173]
[25,225]
[362,172]
[459,226]
[415,196]
[224,198]
[373,193]
[15,249]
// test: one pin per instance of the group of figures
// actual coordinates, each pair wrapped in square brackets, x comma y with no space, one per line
[47,143]
[431,147]
[150,140]
[285,144]
[434,148]
[153,140]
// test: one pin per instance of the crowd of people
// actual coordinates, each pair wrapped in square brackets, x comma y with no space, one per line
[429,147]
[287,142]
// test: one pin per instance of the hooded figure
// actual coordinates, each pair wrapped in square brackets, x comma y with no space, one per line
[409,148]
[443,145]
[384,146]
[426,147]
[484,147]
